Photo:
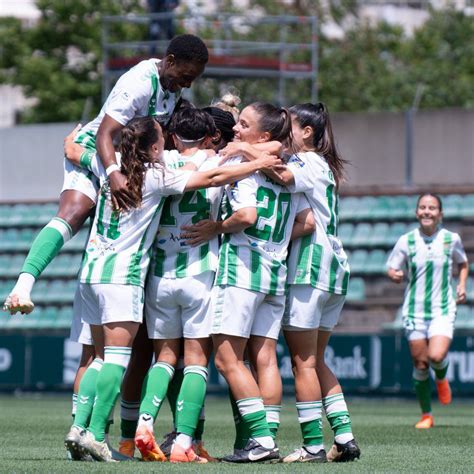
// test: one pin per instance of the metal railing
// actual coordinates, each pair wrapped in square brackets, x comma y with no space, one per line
[283,48]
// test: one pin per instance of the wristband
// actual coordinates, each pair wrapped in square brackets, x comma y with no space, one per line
[113,167]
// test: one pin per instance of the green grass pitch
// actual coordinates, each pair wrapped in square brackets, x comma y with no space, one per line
[33,428]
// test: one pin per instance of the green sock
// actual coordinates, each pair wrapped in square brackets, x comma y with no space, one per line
[190,399]
[87,392]
[421,382]
[154,390]
[241,429]
[128,418]
[309,417]
[173,391]
[46,246]
[440,369]
[108,388]
[253,414]
[273,418]
[337,414]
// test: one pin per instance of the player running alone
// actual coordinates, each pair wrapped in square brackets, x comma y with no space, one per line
[426,257]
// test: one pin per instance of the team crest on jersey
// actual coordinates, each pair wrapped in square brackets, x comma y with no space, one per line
[234,187]
[100,247]
[296,160]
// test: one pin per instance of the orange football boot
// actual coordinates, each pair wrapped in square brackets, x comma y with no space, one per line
[425,422]
[179,454]
[202,452]
[127,447]
[146,444]
[444,391]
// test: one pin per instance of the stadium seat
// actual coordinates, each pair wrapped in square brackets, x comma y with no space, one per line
[64,318]
[12,265]
[376,262]
[357,261]
[356,290]
[452,205]
[49,317]
[367,206]
[397,208]
[467,208]
[361,235]
[41,292]
[464,317]
[345,232]
[396,231]
[381,209]
[348,208]
[62,292]
[379,234]
[470,289]
[45,213]
[78,242]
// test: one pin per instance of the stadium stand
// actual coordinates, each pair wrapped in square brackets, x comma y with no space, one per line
[369,228]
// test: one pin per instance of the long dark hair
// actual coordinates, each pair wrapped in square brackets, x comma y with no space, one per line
[274,120]
[316,116]
[137,138]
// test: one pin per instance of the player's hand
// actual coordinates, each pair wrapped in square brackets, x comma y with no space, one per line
[270,163]
[73,151]
[460,294]
[231,150]
[121,197]
[396,275]
[199,233]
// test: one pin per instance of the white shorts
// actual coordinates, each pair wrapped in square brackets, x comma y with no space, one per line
[244,313]
[311,308]
[80,332]
[179,307]
[80,179]
[420,329]
[111,303]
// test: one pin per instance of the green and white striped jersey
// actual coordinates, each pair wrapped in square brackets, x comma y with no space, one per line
[318,259]
[172,256]
[428,262]
[137,93]
[118,250]
[254,259]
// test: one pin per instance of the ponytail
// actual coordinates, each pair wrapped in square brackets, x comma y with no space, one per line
[274,120]
[136,139]
[317,117]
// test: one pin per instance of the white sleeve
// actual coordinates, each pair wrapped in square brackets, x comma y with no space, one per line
[305,173]
[95,165]
[167,182]
[303,203]
[399,255]
[129,95]
[243,193]
[175,181]
[459,255]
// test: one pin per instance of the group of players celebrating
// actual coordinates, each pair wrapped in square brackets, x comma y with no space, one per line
[194,211]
